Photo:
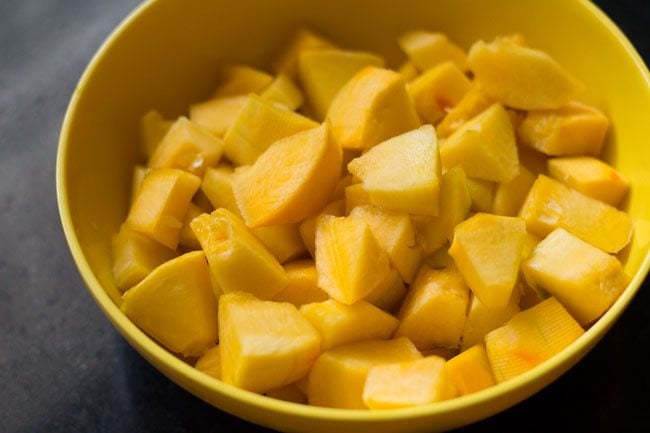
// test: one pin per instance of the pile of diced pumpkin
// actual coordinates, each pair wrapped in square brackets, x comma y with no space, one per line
[351,236]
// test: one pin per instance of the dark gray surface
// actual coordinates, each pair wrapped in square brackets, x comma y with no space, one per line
[63,368]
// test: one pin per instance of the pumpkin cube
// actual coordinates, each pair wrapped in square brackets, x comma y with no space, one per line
[575,129]
[481,193]
[371,107]
[186,236]
[346,368]
[487,250]
[340,324]
[283,241]
[242,80]
[350,261]
[473,103]
[389,294]
[210,362]
[434,311]
[550,205]
[284,91]
[302,40]
[175,305]
[217,187]
[161,204]
[324,72]
[409,383]
[484,146]
[218,114]
[584,279]
[509,196]
[428,49]
[187,146]
[470,370]
[307,228]
[437,90]
[135,256]
[482,319]
[402,173]
[264,344]
[259,124]
[310,159]
[153,128]
[233,250]
[395,233]
[302,287]
[590,176]
[520,77]
[530,338]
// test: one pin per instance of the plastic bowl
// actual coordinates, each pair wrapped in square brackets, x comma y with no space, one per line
[165,55]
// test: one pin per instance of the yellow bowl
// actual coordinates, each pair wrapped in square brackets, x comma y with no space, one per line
[164,56]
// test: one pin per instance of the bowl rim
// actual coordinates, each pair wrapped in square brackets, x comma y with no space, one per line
[149,348]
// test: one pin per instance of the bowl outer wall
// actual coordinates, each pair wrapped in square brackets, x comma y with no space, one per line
[140,67]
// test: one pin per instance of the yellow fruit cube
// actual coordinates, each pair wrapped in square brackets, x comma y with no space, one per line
[135,256]
[470,371]
[428,49]
[307,228]
[509,196]
[187,146]
[259,124]
[217,187]
[371,107]
[402,173]
[161,204]
[264,344]
[355,195]
[437,90]
[395,233]
[482,319]
[520,77]
[481,193]
[139,172]
[312,162]
[473,103]
[340,324]
[324,72]
[410,383]
[550,205]
[302,40]
[302,287]
[350,262]
[186,236]
[284,91]
[153,128]
[484,146]
[242,80]
[283,241]
[584,279]
[530,338]
[575,129]
[175,305]
[218,114]
[389,294]
[338,376]
[487,250]
[434,311]
[590,176]
[408,70]
[233,250]
[210,362]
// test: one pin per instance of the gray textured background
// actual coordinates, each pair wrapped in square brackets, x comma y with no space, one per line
[63,368]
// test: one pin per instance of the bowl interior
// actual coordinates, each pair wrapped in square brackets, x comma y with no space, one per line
[166,55]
